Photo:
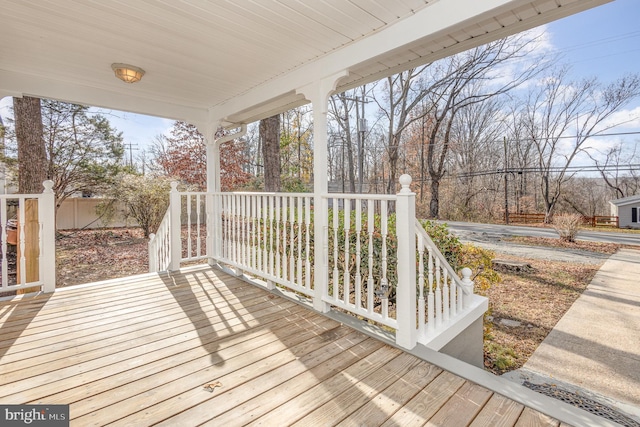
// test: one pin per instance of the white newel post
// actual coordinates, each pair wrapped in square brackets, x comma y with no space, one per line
[468,286]
[153,253]
[406,335]
[175,241]
[318,93]
[214,224]
[47,219]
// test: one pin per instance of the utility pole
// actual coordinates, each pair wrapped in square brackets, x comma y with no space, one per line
[506,188]
[361,122]
[130,146]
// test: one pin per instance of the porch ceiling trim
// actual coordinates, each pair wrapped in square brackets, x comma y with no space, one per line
[200,71]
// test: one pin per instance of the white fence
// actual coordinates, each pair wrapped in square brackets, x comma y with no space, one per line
[28,240]
[377,262]
[81,212]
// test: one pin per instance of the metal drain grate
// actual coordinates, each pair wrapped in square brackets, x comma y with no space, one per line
[582,402]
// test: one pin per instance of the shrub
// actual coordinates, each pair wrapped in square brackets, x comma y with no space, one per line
[145,198]
[447,243]
[567,226]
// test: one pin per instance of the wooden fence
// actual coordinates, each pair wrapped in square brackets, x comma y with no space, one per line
[538,218]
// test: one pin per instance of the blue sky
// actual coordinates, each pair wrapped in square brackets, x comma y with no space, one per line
[602,42]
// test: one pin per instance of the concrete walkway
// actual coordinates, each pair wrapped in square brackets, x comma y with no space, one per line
[596,344]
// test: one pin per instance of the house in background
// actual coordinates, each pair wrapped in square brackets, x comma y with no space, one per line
[627,210]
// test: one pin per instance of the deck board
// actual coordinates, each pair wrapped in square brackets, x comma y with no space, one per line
[139,352]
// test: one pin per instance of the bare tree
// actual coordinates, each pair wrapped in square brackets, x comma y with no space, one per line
[476,134]
[397,105]
[340,107]
[464,80]
[562,115]
[618,160]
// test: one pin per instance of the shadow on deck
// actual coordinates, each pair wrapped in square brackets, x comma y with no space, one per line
[142,351]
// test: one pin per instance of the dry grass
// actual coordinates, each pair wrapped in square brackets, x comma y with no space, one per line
[599,247]
[537,299]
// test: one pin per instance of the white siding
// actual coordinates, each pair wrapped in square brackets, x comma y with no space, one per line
[624,214]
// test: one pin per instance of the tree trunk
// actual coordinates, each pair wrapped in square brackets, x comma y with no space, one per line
[434,204]
[394,150]
[270,137]
[32,154]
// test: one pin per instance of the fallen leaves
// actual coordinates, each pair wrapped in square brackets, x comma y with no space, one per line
[84,256]
[212,386]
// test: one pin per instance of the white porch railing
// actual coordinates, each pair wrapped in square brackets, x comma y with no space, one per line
[449,299]
[268,235]
[183,234]
[160,246]
[378,262]
[33,243]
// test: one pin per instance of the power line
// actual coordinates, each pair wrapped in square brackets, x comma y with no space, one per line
[553,169]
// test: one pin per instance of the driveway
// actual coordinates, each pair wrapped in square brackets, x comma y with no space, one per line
[490,236]
[465,228]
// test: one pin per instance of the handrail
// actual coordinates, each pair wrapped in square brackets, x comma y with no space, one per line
[156,242]
[443,261]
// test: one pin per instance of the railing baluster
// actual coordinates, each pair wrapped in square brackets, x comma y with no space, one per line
[277,248]
[231,221]
[347,226]
[292,221]
[452,299]
[23,260]
[3,226]
[272,203]
[438,295]
[198,237]
[299,266]
[307,261]
[187,200]
[421,303]
[246,201]
[255,229]
[370,282]
[285,242]
[358,278]
[264,260]
[227,231]
[384,285]
[430,296]
[445,297]
[460,301]
[336,280]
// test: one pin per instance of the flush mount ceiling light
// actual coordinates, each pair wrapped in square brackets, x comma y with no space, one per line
[127,73]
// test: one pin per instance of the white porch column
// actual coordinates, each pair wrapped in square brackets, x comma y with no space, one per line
[406,335]
[318,93]
[214,209]
[213,214]
[213,166]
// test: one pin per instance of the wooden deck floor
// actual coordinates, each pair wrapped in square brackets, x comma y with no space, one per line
[140,353]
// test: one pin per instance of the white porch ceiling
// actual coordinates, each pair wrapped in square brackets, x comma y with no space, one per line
[238,60]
